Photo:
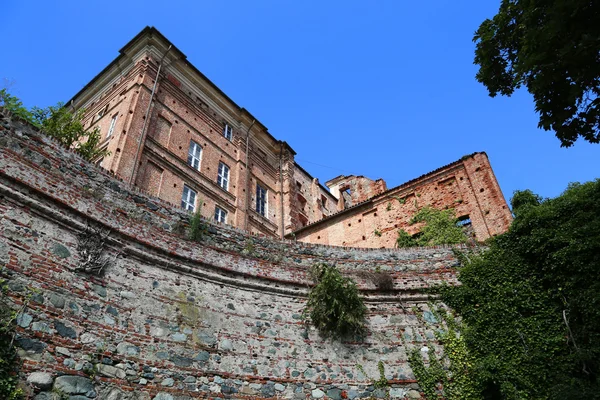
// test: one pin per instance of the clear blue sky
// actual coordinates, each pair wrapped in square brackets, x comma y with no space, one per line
[384,89]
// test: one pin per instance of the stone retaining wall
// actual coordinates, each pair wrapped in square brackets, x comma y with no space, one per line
[171,318]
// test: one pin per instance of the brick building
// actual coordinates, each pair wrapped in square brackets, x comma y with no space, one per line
[174,134]
[370,216]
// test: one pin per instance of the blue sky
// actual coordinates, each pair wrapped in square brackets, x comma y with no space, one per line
[384,89]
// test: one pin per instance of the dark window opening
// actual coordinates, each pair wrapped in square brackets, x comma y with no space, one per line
[465,220]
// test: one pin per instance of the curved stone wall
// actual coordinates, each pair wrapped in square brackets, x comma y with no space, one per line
[172,318]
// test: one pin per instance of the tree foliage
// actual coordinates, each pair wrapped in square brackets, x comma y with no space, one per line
[334,305]
[439,227]
[59,123]
[531,303]
[552,47]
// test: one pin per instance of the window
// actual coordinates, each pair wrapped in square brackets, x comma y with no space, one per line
[464,221]
[194,155]
[227,132]
[111,128]
[324,202]
[223,177]
[220,215]
[102,112]
[188,200]
[261,200]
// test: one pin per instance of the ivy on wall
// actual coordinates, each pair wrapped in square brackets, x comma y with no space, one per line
[9,365]
[530,304]
[439,227]
[450,374]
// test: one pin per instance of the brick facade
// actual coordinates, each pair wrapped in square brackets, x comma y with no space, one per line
[149,146]
[468,186]
[151,106]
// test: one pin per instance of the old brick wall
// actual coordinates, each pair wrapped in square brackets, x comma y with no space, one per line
[170,317]
[468,186]
[352,190]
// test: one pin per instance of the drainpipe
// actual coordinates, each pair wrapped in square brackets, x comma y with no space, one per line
[477,201]
[281,188]
[137,154]
[248,175]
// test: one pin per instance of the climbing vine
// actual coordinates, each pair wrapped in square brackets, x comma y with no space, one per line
[530,303]
[382,382]
[449,374]
[334,305]
[439,227]
[8,356]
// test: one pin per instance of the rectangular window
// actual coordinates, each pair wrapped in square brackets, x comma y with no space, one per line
[261,200]
[220,215]
[113,123]
[227,132]
[194,155]
[188,199]
[223,177]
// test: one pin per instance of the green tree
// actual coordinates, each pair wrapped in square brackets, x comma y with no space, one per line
[531,303]
[59,123]
[552,47]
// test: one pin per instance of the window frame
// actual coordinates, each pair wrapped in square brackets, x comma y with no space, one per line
[185,200]
[262,201]
[223,175]
[193,157]
[112,126]
[220,215]
[228,132]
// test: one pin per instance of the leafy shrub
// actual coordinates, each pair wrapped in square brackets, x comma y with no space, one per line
[59,123]
[334,305]
[404,239]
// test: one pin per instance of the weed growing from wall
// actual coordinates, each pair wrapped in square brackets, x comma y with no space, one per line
[334,305]
[198,227]
[249,248]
